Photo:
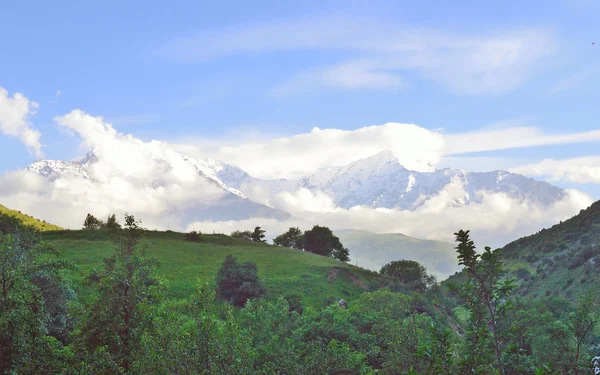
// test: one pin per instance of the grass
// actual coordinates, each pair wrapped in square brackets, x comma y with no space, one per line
[29,220]
[282,270]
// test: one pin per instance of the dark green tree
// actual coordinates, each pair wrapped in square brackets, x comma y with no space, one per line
[321,240]
[238,282]
[293,238]
[112,223]
[25,344]
[124,287]
[193,236]
[92,223]
[258,235]
[409,272]
[485,294]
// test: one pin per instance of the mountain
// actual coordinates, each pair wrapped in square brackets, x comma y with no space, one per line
[379,181]
[233,205]
[372,251]
[29,220]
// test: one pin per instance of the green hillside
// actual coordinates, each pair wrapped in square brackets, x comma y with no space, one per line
[563,260]
[372,251]
[29,220]
[318,279]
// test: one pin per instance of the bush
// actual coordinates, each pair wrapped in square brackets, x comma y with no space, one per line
[238,282]
[193,236]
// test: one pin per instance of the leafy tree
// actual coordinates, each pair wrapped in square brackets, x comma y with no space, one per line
[484,294]
[258,235]
[409,272]
[293,238]
[25,345]
[92,223]
[238,282]
[124,287]
[112,223]
[321,240]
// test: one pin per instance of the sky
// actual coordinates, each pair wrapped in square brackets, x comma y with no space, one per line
[488,85]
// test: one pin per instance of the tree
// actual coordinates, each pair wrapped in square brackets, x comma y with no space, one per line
[293,238]
[25,346]
[485,296]
[124,287]
[258,235]
[112,223]
[321,240]
[410,273]
[238,282]
[92,223]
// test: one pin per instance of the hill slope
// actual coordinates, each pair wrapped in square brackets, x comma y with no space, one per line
[563,260]
[29,220]
[318,279]
[372,251]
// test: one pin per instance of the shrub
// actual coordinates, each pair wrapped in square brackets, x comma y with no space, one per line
[193,236]
[238,282]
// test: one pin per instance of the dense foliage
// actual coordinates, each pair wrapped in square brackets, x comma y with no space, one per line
[127,323]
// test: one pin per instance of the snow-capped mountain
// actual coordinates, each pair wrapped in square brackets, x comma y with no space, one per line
[379,181]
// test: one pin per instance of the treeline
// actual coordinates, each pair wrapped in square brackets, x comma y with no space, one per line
[318,240]
[129,325]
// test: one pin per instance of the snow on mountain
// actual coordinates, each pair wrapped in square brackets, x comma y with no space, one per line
[379,181]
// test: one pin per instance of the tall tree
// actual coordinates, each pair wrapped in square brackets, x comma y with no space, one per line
[258,235]
[485,296]
[124,287]
[25,346]
[91,222]
[112,223]
[321,240]
[293,238]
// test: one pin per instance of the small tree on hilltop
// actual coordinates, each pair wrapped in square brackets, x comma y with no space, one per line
[112,223]
[293,238]
[193,236]
[238,282]
[258,235]
[321,240]
[92,223]
[410,273]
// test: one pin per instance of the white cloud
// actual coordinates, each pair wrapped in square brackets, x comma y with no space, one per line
[466,64]
[302,154]
[14,112]
[495,221]
[579,170]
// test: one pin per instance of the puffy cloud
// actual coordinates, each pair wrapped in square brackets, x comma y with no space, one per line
[303,154]
[14,112]
[300,155]
[579,170]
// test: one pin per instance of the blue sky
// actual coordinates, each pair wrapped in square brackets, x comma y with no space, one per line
[178,71]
